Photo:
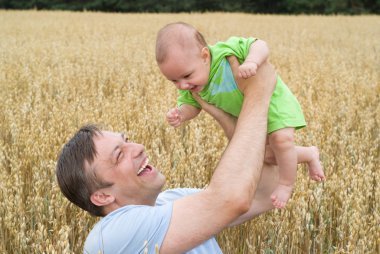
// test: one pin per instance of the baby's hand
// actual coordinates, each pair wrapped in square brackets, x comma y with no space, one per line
[248,69]
[174,117]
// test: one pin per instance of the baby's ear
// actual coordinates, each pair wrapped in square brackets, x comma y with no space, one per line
[205,54]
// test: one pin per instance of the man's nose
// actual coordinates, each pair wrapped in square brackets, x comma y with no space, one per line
[135,149]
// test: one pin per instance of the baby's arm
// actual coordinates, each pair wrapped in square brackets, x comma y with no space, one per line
[258,53]
[177,116]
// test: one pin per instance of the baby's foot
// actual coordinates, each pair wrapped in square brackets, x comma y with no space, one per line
[315,168]
[281,195]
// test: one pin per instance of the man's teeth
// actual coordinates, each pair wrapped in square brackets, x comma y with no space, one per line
[143,166]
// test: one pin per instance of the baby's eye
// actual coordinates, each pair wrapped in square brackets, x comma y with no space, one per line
[187,76]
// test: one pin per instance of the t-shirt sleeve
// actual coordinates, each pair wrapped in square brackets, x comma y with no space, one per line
[185,97]
[135,229]
[174,194]
[237,46]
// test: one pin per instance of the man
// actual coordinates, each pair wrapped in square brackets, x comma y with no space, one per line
[105,174]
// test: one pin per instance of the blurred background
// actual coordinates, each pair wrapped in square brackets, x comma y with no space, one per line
[252,6]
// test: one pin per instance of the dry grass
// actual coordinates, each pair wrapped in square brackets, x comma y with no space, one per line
[59,70]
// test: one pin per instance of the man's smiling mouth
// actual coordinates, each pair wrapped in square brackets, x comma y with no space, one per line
[144,168]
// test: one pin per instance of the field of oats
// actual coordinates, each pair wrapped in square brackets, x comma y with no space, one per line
[60,70]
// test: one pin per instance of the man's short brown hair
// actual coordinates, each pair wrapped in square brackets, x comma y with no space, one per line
[76,181]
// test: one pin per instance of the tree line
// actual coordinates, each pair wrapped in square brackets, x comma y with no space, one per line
[248,6]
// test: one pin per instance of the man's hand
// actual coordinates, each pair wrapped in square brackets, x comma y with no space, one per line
[248,69]
[265,77]
[174,117]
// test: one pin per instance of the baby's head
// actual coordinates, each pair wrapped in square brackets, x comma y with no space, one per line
[183,56]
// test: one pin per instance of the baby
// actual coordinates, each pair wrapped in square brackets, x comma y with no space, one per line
[185,59]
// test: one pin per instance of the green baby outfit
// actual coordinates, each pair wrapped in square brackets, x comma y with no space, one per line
[222,91]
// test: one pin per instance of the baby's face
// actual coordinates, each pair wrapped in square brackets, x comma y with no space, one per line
[187,70]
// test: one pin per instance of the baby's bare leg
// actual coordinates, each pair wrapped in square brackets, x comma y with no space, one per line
[305,154]
[310,155]
[282,144]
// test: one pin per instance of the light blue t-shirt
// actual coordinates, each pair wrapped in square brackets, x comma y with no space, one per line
[138,228]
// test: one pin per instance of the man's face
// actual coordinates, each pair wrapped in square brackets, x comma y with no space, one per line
[125,165]
[187,69]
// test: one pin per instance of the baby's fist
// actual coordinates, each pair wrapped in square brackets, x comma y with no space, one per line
[248,69]
[174,117]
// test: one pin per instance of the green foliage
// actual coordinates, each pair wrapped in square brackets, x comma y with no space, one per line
[250,6]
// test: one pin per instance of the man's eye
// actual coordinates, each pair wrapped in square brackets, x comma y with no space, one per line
[119,155]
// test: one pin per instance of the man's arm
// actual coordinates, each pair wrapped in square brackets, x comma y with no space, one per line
[262,202]
[229,195]
[225,120]
[269,176]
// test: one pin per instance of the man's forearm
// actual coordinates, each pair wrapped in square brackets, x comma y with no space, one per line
[240,167]
[188,112]
[228,123]
[225,120]
[261,202]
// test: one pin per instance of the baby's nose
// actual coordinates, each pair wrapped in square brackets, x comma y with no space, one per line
[184,85]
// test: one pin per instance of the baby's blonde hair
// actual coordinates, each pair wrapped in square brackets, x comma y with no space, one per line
[177,34]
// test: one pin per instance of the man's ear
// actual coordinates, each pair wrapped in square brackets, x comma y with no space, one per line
[205,54]
[100,198]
